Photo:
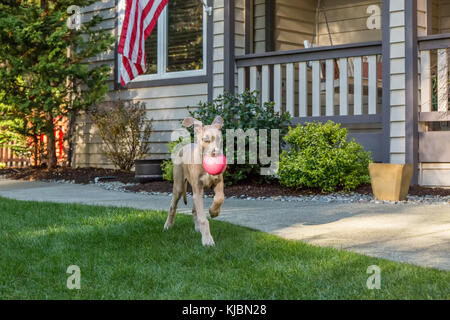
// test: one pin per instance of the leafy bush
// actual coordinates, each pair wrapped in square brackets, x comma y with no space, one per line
[125,132]
[167,165]
[320,156]
[242,111]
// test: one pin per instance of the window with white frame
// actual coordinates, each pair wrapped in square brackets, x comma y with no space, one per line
[177,45]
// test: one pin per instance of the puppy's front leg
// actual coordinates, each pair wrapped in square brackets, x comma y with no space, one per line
[203,223]
[214,210]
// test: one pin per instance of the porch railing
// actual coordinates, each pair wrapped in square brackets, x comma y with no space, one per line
[434,98]
[340,83]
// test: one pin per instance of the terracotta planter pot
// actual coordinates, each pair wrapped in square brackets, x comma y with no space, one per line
[390,181]
[147,170]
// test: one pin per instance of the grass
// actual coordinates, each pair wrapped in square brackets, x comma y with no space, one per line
[124,254]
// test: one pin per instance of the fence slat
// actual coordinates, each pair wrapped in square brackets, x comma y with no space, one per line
[302,89]
[277,87]
[253,79]
[358,86]
[372,83]
[241,80]
[290,89]
[425,81]
[442,81]
[315,88]
[330,87]
[265,84]
[343,87]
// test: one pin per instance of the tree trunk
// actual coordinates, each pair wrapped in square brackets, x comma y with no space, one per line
[51,142]
[51,150]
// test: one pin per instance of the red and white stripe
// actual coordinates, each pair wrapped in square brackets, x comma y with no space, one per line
[141,17]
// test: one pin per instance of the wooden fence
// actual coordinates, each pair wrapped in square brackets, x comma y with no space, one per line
[10,159]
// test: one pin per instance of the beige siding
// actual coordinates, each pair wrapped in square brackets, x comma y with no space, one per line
[347,21]
[444,16]
[259,26]
[166,105]
[294,23]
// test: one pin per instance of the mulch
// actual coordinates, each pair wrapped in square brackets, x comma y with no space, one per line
[247,188]
[77,175]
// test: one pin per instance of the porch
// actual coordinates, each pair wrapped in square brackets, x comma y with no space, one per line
[355,62]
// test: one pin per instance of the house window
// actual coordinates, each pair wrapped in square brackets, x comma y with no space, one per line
[177,45]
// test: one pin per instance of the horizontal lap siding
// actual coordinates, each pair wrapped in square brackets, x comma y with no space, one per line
[444,18]
[259,26]
[347,21]
[165,105]
[294,23]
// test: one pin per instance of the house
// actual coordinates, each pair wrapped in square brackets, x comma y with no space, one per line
[379,67]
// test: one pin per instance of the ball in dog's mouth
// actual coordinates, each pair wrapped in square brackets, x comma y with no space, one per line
[214,165]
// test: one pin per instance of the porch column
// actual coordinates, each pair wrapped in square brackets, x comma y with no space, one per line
[229,41]
[403,82]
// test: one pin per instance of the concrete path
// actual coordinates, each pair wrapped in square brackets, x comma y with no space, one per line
[418,234]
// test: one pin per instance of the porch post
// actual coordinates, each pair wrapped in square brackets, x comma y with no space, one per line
[403,83]
[386,103]
[411,130]
[229,41]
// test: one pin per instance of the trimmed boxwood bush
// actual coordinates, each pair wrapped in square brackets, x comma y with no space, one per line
[320,156]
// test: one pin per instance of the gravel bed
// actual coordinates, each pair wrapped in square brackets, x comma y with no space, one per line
[351,197]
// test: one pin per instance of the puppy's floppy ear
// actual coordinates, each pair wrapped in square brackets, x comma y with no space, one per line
[189,122]
[218,122]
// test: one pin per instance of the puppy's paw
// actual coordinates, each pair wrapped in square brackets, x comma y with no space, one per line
[168,225]
[208,241]
[214,213]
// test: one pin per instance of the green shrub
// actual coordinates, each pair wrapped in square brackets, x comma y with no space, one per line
[242,111]
[320,156]
[167,165]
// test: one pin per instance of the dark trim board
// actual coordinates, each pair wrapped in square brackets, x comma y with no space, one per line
[365,118]
[437,41]
[411,86]
[386,66]
[319,53]
[229,46]
[270,25]
[210,52]
[167,82]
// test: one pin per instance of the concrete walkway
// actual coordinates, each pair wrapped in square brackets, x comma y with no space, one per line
[418,234]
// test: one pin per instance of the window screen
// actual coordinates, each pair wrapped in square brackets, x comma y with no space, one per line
[151,52]
[185,35]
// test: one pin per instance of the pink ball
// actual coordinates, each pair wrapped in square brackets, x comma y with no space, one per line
[215,165]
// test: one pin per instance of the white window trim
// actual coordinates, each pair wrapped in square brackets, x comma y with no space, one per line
[162,48]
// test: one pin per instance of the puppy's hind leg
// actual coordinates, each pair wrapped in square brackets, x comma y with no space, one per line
[194,216]
[178,188]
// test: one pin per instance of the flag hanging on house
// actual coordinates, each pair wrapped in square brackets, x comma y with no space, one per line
[141,17]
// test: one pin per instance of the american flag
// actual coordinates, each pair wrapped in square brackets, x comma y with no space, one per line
[141,17]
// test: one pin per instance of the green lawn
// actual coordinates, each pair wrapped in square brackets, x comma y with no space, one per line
[124,254]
